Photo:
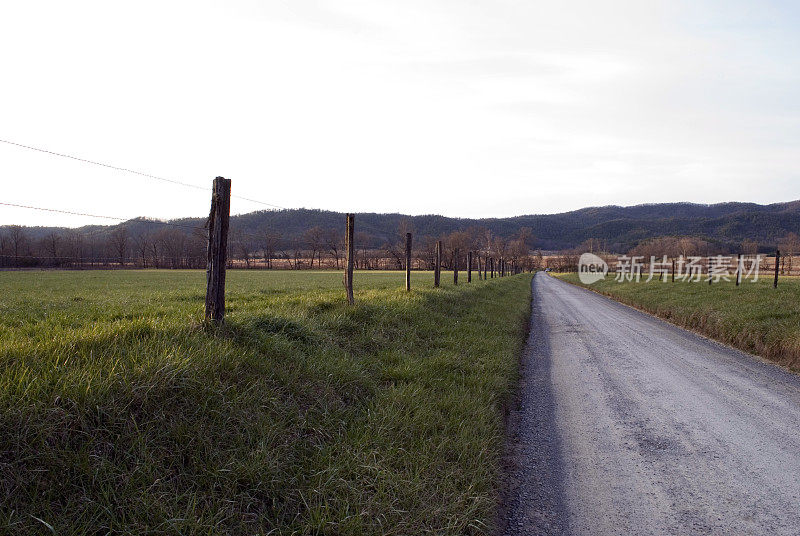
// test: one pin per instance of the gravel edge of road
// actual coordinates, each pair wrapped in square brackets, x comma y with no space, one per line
[531,495]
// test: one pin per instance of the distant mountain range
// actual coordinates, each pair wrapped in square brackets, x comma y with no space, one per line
[725,224]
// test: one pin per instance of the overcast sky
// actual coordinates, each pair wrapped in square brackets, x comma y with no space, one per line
[464,108]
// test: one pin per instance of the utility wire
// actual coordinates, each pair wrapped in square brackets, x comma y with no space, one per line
[133,171]
[155,177]
[116,218]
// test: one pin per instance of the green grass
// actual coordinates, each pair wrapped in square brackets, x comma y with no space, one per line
[753,317]
[121,413]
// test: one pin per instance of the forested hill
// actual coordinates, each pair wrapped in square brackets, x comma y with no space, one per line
[620,227]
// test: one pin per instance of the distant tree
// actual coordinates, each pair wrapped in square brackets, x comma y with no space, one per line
[141,243]
[269,240]
[499,247]
[297,254]
[333,243]
[76,245]
[119,243]
[18,240]
[788,245]
[749,247]
[51,244]
[171,247]
[315,240]
[361,248]
[538,261]
[242,244]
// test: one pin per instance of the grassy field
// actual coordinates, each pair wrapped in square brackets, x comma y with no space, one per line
[753,317]
[121,413]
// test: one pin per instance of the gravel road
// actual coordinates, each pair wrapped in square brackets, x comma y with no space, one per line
[629,425]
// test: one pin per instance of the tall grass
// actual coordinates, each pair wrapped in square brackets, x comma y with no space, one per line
[753,316]
[121,413]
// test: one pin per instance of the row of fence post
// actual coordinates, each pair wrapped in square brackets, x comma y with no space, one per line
[218,224]
[489,264]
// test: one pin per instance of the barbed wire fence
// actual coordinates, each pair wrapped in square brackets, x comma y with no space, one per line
[215,232]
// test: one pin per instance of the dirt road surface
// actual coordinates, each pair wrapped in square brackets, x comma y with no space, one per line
[629,425]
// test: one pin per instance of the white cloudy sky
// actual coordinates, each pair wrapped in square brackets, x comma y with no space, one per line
[466,108]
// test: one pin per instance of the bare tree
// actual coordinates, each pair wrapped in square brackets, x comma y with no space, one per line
[749,247]
[362,241]
[142,244]
[789,245]
[333,242]
[242,245]
[270,240]
[76,246]
[52,247]
[18,239]
[171,246]
[315,239]
[119,243]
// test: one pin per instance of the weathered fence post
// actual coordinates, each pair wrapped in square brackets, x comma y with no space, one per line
[408,261]
[455,266]
[708,268]
[777,263]
[349,250]
[218,220]
[469,267]
[673,270]
[738,269]
[437,267]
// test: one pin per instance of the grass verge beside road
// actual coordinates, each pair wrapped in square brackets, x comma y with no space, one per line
[121,413]
[753,317]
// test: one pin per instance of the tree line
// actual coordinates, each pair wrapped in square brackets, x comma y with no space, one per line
[140,246]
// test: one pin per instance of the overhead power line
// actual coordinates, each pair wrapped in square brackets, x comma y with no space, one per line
[133,171]
[116,218]
[360,225]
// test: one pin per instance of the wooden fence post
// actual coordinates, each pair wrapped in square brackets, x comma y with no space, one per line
[777,263]
[738,269]
[469,267]
[437,267]
[673,270]
[349,250]
[218,220]
[455,266]
[408,261]
[708,268]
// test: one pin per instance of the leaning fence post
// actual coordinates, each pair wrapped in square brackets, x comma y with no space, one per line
[408,261]
[777,263]
[437,267]
[349,257]
[218,220]
[469,267]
